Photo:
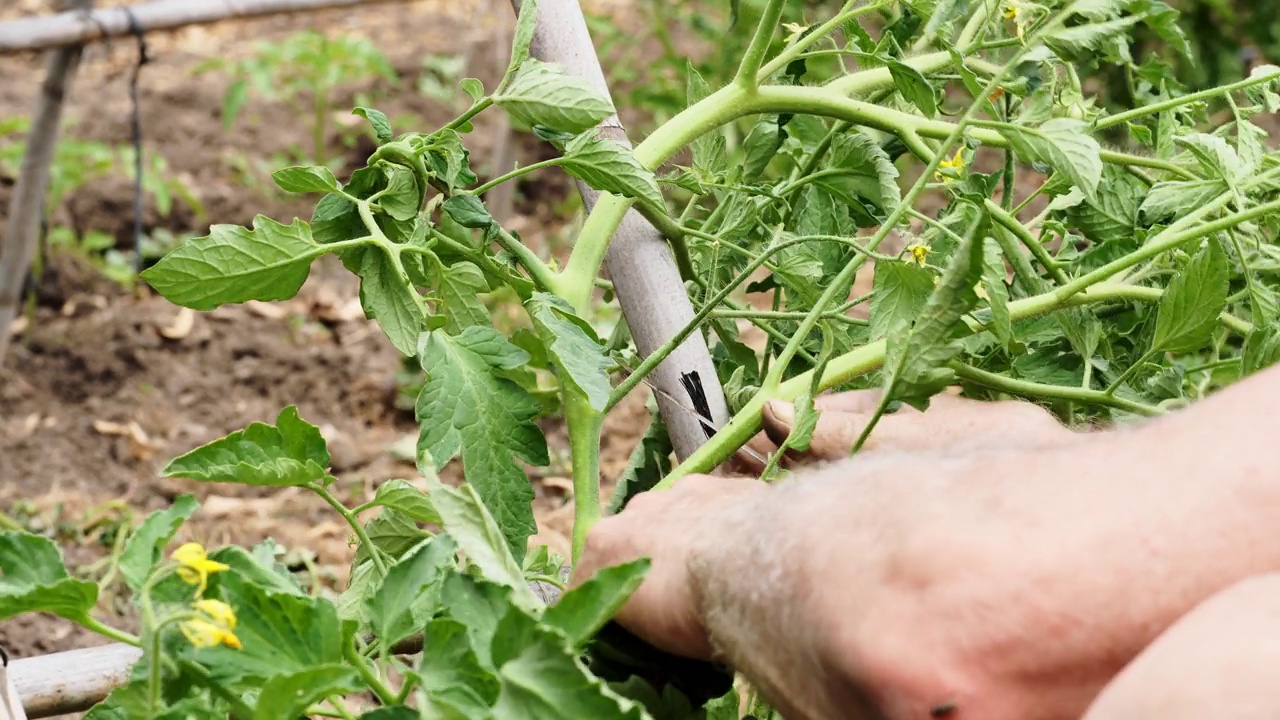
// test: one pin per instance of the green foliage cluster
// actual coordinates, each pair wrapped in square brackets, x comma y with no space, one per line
[1106,281]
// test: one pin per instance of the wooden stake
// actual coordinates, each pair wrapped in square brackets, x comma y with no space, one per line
[641,264]
[69,28]
[18,246]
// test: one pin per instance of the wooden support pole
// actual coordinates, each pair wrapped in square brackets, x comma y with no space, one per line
[69,28]
[26,208]
[641,264]
[71,681]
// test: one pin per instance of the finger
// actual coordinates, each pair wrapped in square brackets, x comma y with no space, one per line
[850,401]
[833,437]
[750,459]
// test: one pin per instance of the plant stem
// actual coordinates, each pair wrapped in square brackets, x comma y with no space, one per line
[1010,223]
[370,677]
[514,174]
[476,108]
[533,264]
[753,58]
[1051,392]
[786,56]
[1119,118]
[105,630]
[584,425]
[781,315]
[374,554]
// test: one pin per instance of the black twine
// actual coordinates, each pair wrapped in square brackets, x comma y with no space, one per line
[698,394]
[143,58]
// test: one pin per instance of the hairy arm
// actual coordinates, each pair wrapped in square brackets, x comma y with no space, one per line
[982,583]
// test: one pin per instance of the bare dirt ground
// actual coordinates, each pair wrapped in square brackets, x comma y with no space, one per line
[103,386]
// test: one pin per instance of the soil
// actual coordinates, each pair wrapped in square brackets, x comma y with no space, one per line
[103,385]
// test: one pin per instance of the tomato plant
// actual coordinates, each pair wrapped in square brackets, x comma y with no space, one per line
[1105,279]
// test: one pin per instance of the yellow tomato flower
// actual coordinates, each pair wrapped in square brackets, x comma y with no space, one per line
[214,625]
[955,165]
[194,565]
[919,253]
[1013,11]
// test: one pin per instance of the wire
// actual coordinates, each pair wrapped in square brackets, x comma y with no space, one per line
[136,121]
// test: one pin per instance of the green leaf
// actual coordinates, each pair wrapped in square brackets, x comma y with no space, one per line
[1172,198]
[279,634]
[1111,217]
[399,712]
[233,102]
[392,532]
[709,149]
[388,296]
[1080,40]
[900,293]
[402,197]
[381,126]
[761,146]
[914,87]
[291,452]
[467,408]
[401,604]
[468,211]
[1192,302]
[650,462]
[404,498]
[459,286]
[145,548]
[1261,349]
[234,264]
[917,362]
[868,175]
[478,604]
[542,94]
[289,696]
[450,670]
[467,521]
[585,609]
[544,681]
[269,575]
[1066,146]
[306,179]
[993,282]
[473,88]
[526,21]
[33,579]
[605,165]
[573,346]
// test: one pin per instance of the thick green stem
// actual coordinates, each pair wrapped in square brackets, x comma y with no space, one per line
[361,666]
[353,521]
[105,630]
[584,424]
[482,189]
[1010,223]
[1124,376]
[1128,115]
[1033,390]
[753,58]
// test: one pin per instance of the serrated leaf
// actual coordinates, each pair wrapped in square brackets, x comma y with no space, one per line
[266,574]
[1078,40]
[467,408]
[1261,349]
[1065,145]
[381,126]
[291,452]
[542,94]
[279,634]
[900,293]
[761,146]
[466,519]
[916,363]
[997,291]
[450,670]
[468,211]
[1192,302]
[404,498]
[543,680]
[1170,198]
[306,179]
[402,197]
[582,611]
[708,149]
[478,604]
[402,602]
[1111,217]
[1214,155]
[289,696]
[145,548]
[605,165]
[234,264]
[392,532]
[388,296]
[868,176]
[914,87]
[459,287]
[33,579]
[522,39]
[573,346]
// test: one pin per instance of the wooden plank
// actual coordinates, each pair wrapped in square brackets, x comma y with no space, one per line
[68,28]
[71,681]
